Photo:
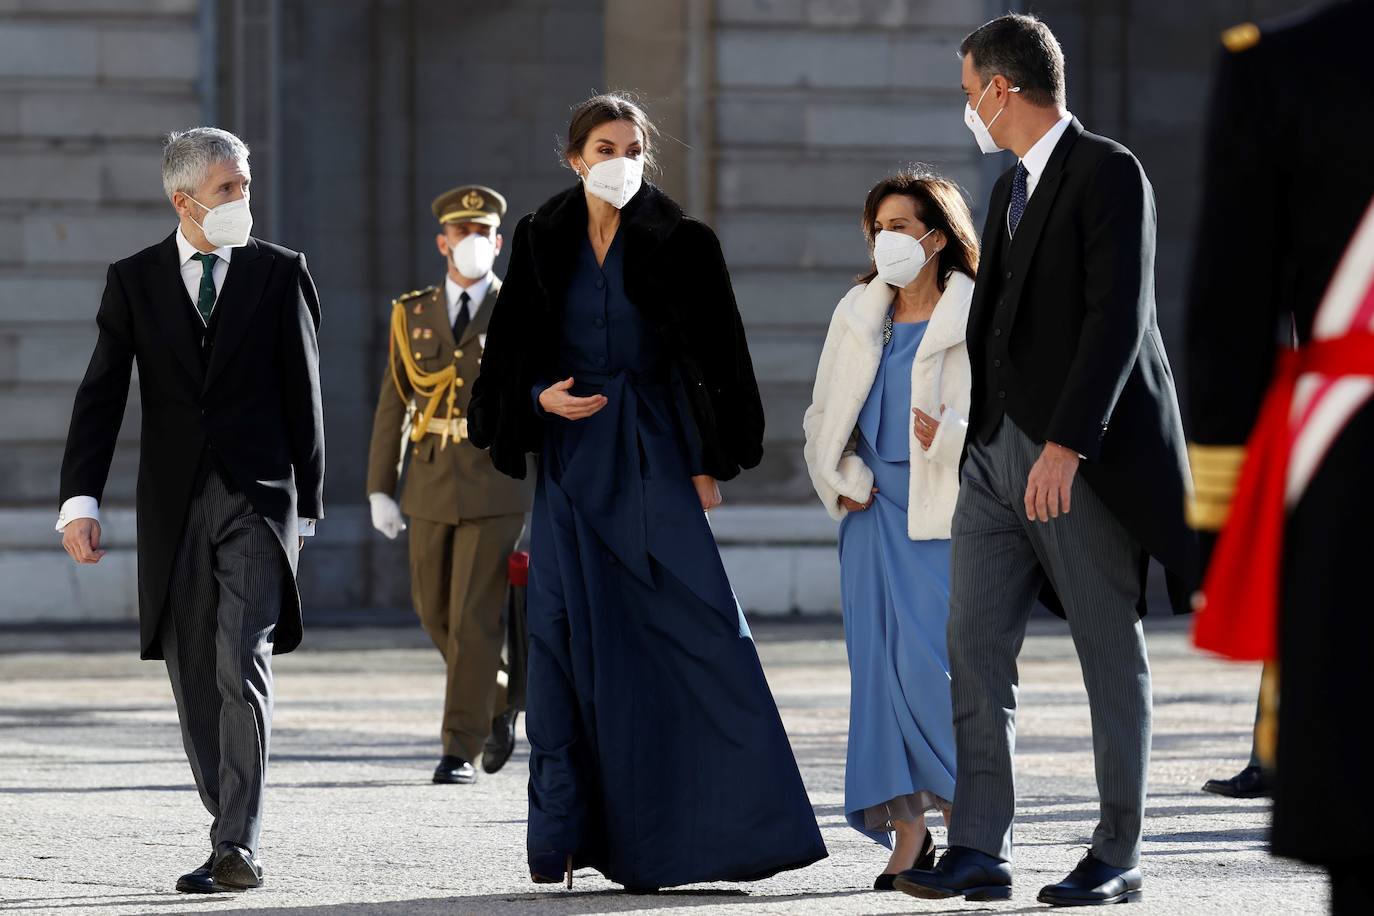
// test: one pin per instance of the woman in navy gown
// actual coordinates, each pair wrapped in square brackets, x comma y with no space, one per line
[884,435]
[617,355]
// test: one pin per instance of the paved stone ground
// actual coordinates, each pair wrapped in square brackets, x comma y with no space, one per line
[97,812]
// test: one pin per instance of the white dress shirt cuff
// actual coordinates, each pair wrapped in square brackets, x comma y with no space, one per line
[307,527]
[77,507]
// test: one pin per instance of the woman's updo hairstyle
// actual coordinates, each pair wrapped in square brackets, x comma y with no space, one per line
[609,106]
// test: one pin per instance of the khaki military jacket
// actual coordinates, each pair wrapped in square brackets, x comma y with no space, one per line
[444,482]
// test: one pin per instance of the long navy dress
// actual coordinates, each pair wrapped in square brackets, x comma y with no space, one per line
[656,751]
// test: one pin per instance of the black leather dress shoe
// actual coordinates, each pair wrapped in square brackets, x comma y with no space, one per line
[200,881]
[1248,783]
[500,743]
[1092,883]
[454,771]
[236,869]
[925,860]
[963,872]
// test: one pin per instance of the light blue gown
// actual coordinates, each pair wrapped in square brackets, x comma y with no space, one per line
[895,593]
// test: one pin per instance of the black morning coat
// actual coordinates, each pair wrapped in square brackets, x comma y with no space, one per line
[1063,337]
[675,273]
[252,399]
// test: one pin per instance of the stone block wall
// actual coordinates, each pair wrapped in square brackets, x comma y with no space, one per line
[778,116]
[87,88]
[813,103]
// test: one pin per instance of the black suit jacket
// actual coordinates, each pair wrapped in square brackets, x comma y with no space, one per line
[253,400]
[1064,337]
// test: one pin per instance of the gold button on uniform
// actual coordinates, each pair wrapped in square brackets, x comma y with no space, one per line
[417,354]
[458,382]
[457,354]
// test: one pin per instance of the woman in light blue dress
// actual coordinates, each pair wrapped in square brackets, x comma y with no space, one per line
[884,436]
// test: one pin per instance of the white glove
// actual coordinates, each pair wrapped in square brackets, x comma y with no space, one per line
[386,515]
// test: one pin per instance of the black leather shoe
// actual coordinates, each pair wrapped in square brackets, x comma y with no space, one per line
[454,771]
[963,872]
[1248,783]
[925,861]
[500,743]
[236,870]
[1092,883]
[200,881]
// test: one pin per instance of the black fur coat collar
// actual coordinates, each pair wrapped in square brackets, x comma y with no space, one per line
[675,272]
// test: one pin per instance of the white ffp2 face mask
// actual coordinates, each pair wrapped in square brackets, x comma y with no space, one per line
[228,225]
[982,132]
[473,256]
[899,257]
[615,180]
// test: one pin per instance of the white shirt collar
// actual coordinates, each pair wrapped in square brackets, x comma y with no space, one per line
[1038,156]
[476,293]
[186,250]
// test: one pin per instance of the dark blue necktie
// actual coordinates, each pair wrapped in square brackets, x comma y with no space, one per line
[1018,197]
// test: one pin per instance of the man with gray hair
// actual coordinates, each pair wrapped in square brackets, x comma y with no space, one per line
[223,329]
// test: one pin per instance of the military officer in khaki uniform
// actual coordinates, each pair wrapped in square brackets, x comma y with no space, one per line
[465,516]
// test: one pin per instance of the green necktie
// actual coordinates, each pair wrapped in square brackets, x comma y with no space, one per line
[206,303]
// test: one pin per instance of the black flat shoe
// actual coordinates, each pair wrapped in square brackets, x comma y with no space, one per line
[500,744]
[200,881]
[236,870]
[552,868]
[962,872]
[454,771]
[925,860]
[1248,783]
[1094,883]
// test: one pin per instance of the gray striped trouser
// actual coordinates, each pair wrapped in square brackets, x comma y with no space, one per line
[999,561]
[222,607]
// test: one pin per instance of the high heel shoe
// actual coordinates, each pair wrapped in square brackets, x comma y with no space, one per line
[924,860]
[545,865]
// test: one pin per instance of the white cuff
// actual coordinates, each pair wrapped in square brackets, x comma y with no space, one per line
[307,527]
[78,507]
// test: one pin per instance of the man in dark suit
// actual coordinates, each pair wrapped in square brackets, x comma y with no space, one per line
[1074,458]
[231,473]
[1284,247]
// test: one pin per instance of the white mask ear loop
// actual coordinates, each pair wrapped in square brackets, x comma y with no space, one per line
[202,206]
[989,124]
[927,258]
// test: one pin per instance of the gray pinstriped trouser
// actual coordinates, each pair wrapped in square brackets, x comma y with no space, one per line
[222,607]
[999,561]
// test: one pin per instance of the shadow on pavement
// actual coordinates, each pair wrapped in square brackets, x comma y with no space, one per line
[177,903]
[553,904]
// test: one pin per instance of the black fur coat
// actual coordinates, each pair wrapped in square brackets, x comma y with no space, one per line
[675,272]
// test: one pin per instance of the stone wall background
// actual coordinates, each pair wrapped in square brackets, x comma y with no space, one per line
[777,115]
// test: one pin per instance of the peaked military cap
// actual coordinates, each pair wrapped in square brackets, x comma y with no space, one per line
[471,203]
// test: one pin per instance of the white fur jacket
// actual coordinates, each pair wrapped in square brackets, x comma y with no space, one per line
[940,374]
